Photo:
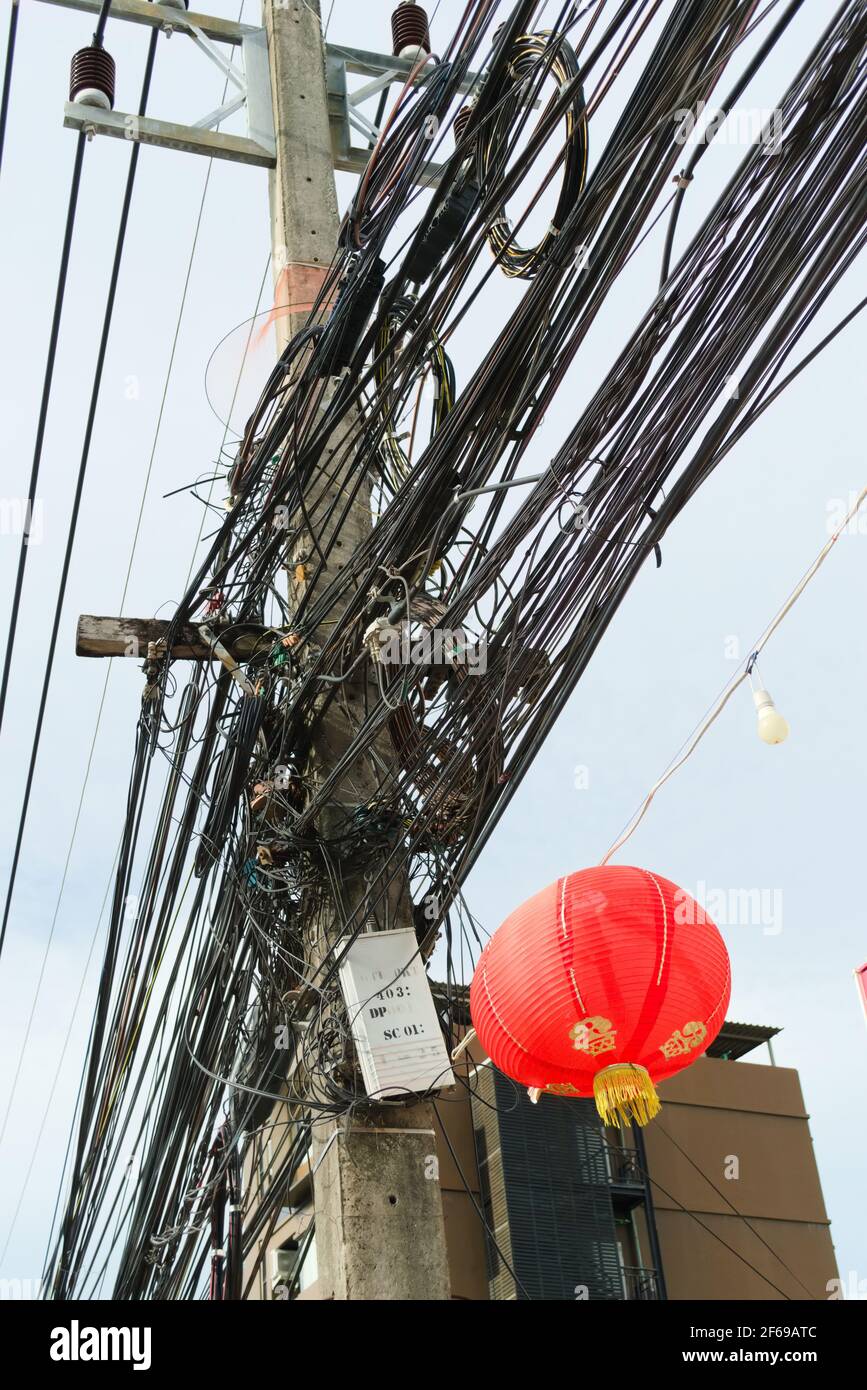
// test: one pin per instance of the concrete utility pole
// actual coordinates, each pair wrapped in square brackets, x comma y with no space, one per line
[378,1208]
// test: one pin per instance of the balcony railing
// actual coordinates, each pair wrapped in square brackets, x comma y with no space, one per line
[640,1285]
[623,1165]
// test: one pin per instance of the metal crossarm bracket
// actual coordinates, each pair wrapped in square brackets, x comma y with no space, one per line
[166,17]
[252,84]
[146,130]
[344,106]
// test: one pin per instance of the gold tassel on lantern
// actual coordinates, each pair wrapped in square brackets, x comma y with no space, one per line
[625,1092]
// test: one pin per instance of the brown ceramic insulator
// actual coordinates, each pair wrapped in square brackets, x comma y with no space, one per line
[409,28]
[92,68]
[461,122]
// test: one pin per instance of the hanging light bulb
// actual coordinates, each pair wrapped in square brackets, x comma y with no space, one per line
[772,726]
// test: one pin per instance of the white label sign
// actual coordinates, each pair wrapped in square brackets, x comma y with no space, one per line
[392,1015]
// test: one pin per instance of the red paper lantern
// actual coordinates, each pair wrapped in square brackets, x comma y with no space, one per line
[606,981]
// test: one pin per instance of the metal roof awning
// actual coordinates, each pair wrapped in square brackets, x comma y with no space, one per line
[735,1040]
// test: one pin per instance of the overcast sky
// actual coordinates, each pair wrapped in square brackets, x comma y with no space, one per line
[784,822]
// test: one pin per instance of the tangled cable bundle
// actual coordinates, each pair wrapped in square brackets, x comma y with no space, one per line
[534,57]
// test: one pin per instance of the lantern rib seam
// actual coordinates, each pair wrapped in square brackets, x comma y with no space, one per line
[726,988]
[664,925]
[571,969]
[496,1014]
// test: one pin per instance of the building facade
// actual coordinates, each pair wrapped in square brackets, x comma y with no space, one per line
[718,1198]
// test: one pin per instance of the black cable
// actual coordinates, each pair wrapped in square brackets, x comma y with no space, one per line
[479,1212]
[711,1232]
[7,75]
[719,1192]
[79,487]
[43,413]
[99,32]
